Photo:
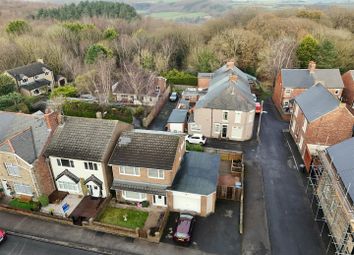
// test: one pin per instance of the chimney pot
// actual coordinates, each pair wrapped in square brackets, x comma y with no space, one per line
[312,66]
[230,64]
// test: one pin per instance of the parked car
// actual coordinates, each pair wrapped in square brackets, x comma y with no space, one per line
[184,228]
[196,139]
[2,235]
[173,97]
[258,107]
[254,97]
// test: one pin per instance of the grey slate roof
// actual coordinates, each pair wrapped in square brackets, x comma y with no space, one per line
[316,102]
[198,173]
[229,95]
[148,188]
[36,84]
[82,138]
[28,134]
[29,70]
[302,78]
[145,148]
[178,116]
[93,179]
[68,174]
[342,156]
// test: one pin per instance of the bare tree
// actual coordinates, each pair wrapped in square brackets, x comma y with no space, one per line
[103,79]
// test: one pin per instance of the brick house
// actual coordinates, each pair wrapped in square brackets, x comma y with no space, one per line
[293,82]
[78,154]
[153,166]
[348,93]
[319,120]
[23,138]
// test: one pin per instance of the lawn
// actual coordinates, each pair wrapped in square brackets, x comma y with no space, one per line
[115,216]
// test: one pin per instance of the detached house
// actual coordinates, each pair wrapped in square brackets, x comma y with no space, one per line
[153,166]
[148,95]
[319,120]
[348,93]
[227,111]
[33,79]
[23,168]
[293,82]
[79,152]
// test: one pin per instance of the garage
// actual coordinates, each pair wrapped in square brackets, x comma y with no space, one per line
[186,201]
[236,132]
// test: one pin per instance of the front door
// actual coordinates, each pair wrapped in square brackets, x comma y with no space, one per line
[160,200]
[224,131]
[7,190]
[94,190]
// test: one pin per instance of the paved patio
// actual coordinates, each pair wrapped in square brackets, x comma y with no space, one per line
[57,208]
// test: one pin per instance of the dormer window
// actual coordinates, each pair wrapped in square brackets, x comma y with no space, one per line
[24,80]
[336,92]
[36,77]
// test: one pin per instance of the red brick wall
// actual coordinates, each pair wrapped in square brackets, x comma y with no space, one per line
[44,176]
[348,93]
[203,83]
[277,93]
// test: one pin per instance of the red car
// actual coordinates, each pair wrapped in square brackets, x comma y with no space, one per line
[2,235]
[184,228]
[258,107]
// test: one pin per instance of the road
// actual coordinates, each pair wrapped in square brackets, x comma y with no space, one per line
[160,121]
[15,245]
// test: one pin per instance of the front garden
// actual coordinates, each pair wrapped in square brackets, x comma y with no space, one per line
[24,205]
[124,217]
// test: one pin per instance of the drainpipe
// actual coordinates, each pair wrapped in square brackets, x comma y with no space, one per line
[211,122]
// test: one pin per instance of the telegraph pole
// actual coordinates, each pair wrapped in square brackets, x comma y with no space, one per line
[260,122]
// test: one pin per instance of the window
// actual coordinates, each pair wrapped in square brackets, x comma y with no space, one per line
[36,77]
[217,128]
[238,117]
[336,91]
[287,92]
[46,72]
[128,170]
[23,189]
[12,169]
[135,196]
[225,115]
[67,186]
[65,162]
[304,126]
[36,91]
[156,173]
[90,166]
[24,80]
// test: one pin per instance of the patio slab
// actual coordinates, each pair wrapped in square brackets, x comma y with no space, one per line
[72,200]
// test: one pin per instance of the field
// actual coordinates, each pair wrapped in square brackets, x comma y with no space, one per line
[178,15]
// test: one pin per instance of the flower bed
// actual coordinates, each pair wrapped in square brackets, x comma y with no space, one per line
[123,217]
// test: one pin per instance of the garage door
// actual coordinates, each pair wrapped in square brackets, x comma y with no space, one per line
[236,132]
[186,202]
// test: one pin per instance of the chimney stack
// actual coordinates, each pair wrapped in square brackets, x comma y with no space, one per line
[312,66]
[233,78]
[230,64]
[40,60]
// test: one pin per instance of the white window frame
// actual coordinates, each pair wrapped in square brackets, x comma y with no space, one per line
[304,126]
[142,196]
[12,169]
[239,120]
[287,92]
[336,92]
[160,173]
[223,115]
[217,128]
[60,163]
[136,170]
[90,166]
[20,188]
[68,186]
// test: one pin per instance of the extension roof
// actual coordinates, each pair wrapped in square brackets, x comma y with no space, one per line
[82,138]
[342,158]
[145,148]
[303,78]
[143,187]
[29,70]
[36,84]
[198,173]
[316,102]
[23,134]
[178,116]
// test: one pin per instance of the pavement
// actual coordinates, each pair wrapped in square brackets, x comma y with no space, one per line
[218,233]
[81,238]
[160,121]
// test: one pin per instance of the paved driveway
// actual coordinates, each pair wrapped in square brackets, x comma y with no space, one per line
[218,233]
[160,121]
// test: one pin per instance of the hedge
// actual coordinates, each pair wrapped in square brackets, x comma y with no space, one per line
[29,206]
[192,81]
[179,77]
[194,147]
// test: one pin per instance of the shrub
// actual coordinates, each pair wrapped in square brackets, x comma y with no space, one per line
[43,200]
[66,91]
[123,114]
[95,51]
[17,27]
[110,33]
[179,77]
[7,85]
[10,100]
[139,111]
[81,109]
[24,205]
[194,147]
[145,203]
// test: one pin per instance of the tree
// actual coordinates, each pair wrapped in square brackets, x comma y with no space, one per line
[66,91]
[17,27]
[327,55]
[307,51]
[10,100]
[7,85]
[110,33]
[95,51]
[203,60]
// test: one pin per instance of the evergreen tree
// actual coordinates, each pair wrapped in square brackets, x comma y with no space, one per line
[307,51]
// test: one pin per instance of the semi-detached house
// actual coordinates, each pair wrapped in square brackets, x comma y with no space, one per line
[79,152]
